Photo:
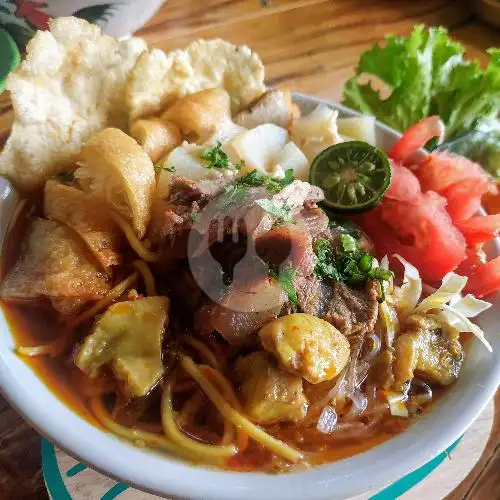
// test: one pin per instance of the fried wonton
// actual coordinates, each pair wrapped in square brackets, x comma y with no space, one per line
[87,216]
[71,84]
[159,78]
[54,264]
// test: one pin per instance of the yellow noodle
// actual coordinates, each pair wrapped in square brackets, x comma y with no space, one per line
[191,407]
[61,343]
[229,394]
[234,416]
[115,293]
[210,451]
[136,435]
[138,245]
[147,276]
[203,350]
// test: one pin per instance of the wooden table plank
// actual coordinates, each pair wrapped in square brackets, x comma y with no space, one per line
[317,56]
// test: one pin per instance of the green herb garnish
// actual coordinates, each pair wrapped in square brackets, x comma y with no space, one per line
[283,213]
[285,278]
[348,263]
[215,157]
[235,193]
[195,217]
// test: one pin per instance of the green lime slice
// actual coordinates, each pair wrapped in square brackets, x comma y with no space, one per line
[9,57]
[354,175]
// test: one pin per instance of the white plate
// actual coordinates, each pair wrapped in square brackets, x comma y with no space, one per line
[164,475]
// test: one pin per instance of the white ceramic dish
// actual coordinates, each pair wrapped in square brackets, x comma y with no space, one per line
[166,476]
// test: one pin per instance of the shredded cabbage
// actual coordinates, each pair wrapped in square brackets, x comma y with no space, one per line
[411,290]
[469,306]
[458,320]
[391,322]
[451,286]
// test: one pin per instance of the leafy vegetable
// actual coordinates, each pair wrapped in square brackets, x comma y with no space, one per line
[427,74]
[215,157]
[285,278]
[235,193]
[348,263]
[196,216]
[283,212]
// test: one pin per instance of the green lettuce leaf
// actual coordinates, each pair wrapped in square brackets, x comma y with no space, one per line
[424,74]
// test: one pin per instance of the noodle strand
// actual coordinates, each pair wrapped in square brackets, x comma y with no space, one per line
[147,276]
[234,416]
[138,246]
[208,451]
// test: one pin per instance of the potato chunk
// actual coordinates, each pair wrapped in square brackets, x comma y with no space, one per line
[88,217]
[201,113]
[156,137]
[128,338]
[54,264]
[434,353]
[270,395]
[306,345]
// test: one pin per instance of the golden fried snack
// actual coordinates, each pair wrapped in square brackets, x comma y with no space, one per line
[157,137]
[117,170]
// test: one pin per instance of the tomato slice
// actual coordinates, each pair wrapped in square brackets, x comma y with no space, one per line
[438,171]
[478,230]
[404,185]
[422,232]
[464,198]
[416,137]
[485,279]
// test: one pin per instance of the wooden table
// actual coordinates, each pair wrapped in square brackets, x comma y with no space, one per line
[309,46]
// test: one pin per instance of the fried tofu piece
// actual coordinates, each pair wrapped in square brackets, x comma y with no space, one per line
[201,113]
[157,137]
[71,84]
[54,264]
[159,78]
[128,338]
[275,106]
[306,345]
[269,394]
[87,216]
[116,170]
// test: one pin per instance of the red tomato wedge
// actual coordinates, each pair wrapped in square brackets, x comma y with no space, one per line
[404,185]
[478,230]
[416,137]
[485,279]
[438,171]
[422,232]
[464,198]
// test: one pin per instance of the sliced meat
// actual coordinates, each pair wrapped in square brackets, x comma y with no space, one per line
[295,195]
[269,394]
[314,219]
[427,349]
[351,310]
[242,312]
[288,245]
[172,219]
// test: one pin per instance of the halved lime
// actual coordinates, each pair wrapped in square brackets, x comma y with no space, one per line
[354,175]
